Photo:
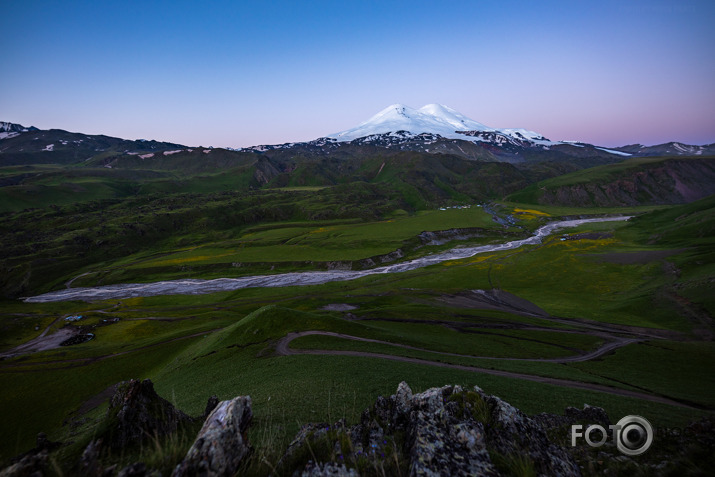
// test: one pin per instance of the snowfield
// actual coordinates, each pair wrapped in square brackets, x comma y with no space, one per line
[434,119]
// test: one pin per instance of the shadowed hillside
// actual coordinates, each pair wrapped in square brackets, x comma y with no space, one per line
[639,181]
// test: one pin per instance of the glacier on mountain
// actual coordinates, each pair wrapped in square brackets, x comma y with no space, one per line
[434,119]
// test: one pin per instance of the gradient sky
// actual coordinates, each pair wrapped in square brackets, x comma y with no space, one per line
[241,73]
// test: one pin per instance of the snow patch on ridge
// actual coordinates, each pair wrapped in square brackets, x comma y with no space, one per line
[611,151]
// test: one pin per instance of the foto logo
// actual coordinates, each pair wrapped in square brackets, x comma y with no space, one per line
[633,435]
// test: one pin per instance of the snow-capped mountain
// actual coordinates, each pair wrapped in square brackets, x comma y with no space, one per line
[436,119]
[8,130]
[436,128]
[433,118]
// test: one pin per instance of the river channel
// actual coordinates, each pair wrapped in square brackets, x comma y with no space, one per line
[198,287]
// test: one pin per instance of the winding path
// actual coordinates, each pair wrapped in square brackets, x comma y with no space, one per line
[42,342]
[283,349]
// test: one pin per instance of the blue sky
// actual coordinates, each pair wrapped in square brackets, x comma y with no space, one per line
[230,73]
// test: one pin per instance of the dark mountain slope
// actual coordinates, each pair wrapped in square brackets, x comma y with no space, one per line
[639,181]
[56,146]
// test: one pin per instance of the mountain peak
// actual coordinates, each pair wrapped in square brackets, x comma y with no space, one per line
[432,118]
[393,110]
[7,127]
[8,130]
[437,109]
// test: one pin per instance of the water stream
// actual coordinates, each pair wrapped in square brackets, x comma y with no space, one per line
[197,286]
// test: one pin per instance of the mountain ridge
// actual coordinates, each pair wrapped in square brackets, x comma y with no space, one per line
[435,128]
[476,142]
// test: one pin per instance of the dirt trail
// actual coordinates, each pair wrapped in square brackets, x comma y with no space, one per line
[69,282]
[283,348]
[42,342]
[504,301]
[93,359]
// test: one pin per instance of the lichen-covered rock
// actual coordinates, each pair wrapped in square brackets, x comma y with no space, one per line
[221,444]
[137,469]
[34,461]
[403,398]
[513,433]
[137,412]
[329,469]
[89,463]
[32,464]
[445,431]
[590,414]
[572,415]
[306,432]
[439,444]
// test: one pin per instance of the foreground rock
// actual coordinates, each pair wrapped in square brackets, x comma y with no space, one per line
[136,412]
[221,444]
[444,431]
[33,462]
[447,431]
[136,415]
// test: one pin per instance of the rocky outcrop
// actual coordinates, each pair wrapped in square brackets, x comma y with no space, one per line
[221,444]
[137,412]
[441,237]
[378,260]
[137,469]
[572,415]
[329,469]
[89,463]
[33,462]
[446,431]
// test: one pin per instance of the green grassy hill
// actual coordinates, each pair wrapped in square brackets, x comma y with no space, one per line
[637,181]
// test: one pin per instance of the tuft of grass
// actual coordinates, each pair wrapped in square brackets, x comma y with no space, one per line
[163,453]
[513,465]
[472,403]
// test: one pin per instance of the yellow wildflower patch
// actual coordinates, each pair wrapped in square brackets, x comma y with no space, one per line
[530,213]
[475,259]
[321,230]
[198,258]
